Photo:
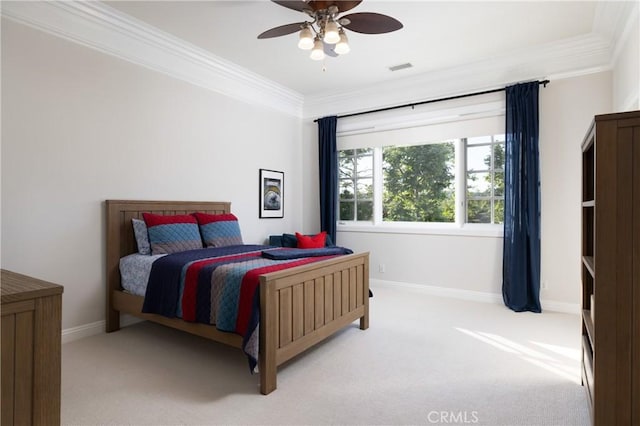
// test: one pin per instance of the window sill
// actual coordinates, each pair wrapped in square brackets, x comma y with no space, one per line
[467,230]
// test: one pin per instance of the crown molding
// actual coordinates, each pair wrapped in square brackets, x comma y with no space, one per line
[612,19]
[100,27]
[595,52]
[628,19]
[590,52]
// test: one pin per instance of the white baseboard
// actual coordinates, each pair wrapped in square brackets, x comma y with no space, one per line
[86,330]
[91,329]
[82,331]
[564,307]
[476,296]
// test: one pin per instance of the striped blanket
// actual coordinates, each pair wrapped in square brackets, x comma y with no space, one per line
[216,286]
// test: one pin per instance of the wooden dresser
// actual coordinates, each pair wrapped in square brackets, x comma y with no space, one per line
[31,350]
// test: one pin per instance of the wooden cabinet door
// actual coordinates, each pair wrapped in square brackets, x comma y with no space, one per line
[635,352]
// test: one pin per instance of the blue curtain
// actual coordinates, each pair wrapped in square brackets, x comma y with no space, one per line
[328,174]
[521,256]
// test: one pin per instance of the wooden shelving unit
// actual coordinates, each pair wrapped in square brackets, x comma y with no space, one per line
[611,268]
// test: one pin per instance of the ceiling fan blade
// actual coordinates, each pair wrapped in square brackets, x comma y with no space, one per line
[301,5]
[298,5]
[342,5]
[372,23]
[281,30]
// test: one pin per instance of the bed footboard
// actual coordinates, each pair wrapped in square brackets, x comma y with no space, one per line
[304,305]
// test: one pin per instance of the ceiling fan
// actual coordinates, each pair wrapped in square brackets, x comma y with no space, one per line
[325,33]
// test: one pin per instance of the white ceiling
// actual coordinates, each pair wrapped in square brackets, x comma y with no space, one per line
[437,36]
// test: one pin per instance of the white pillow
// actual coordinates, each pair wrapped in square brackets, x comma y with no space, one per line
[142,236]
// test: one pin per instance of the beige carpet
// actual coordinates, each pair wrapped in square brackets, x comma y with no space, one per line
[424,360]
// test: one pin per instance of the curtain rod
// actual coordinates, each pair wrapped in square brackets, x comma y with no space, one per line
[413,104]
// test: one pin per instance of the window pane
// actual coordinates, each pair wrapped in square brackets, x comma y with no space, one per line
[479,157]
[478,184]
[347,167]
[356,184]
[448,209]
[418,183]
[479,211]
[498,182]
[365,189]
[365,210]
[346,190]
[365,166]
[498,211]
[480,139]
[485,179]
[498,156]
[346,210]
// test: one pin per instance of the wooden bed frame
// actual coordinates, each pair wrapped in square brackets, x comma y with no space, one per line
[299,307]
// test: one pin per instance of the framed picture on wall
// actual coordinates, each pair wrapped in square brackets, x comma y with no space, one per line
[271,194]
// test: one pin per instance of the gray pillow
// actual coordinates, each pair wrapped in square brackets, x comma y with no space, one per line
[142,236]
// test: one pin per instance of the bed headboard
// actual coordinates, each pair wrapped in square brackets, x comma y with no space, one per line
[120,238]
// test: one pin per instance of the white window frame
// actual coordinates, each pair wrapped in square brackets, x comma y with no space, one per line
[374,133]
[458,227]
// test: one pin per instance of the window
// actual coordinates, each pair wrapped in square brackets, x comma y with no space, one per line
[454,181]
[485,179]
[356,184]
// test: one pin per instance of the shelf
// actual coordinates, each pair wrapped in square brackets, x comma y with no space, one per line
[587,352]
[588,324]
[588,262]
[589,203]
[587,369]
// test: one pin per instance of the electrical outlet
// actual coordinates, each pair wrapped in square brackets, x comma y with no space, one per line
[381,268]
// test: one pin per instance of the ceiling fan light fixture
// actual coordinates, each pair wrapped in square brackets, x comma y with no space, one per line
[317,54]
[331,35]
[306,38]
[325,34]
[342,47]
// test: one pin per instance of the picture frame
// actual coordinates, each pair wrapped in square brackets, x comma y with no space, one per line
[271,194]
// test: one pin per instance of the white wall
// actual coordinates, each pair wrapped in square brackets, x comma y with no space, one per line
[626,70]
[80,127]
[475,263]
[311,182]
[567,108]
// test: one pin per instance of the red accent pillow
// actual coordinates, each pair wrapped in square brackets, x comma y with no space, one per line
[314,241]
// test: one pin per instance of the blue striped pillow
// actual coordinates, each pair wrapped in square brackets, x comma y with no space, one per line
[219,230]
[172,234]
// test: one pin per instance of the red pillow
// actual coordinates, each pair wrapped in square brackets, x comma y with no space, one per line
[315,241]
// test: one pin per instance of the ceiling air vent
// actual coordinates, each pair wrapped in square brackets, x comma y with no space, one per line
[400,67]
